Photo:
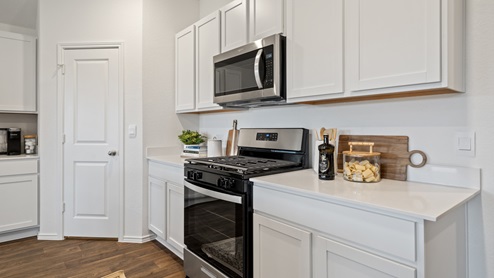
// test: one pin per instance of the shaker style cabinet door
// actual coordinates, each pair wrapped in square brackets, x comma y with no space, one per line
[280,250]
[336,260]
[315,58]
[18,202]
[175,215]
[233,25]
[392,43]
[157,201]
[207,46]
[185,96]
[17,72]
[266,17]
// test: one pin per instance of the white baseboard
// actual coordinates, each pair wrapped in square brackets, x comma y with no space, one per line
[49,236]
[9,236]
[137,239]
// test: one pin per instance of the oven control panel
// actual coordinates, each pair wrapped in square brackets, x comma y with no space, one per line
[267,136]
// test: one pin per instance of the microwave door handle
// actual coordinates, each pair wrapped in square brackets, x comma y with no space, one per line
[256,69]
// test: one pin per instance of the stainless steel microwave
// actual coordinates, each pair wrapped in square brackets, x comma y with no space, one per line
[251,75]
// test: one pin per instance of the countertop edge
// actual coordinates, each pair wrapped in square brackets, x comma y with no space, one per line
[361,204]
[170,160]
[17,157]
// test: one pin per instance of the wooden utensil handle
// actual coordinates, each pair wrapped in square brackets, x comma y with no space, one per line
[370,144]
[422,154]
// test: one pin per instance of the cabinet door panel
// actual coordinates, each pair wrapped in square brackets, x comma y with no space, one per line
[233,25]
[336,260]
[17,72]
[175,216]
[208,45]
[265,18]
[280,250]
[185,70]
[392,43]
[157,206]
[315,59]
[18,202]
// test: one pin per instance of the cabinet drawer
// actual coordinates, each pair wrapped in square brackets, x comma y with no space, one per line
[167,172]
[386,234]
[18,167]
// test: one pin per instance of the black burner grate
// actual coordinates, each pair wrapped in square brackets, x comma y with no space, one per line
[243,164]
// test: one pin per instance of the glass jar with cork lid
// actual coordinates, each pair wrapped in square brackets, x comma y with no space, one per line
[360,166]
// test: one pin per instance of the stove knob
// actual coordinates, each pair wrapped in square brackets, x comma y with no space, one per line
[197,176]
[221,182]
[230,183]
[190,175]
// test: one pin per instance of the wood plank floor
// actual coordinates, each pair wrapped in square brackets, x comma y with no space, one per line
[86,258]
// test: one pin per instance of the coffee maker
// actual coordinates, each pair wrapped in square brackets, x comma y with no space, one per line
[14,141]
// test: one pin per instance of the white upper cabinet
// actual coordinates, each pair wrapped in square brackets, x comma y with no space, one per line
[207,45]
[185,70]
[314,59]
[392,43]
[17,72]
[234,25]
[374,47]
[265,18]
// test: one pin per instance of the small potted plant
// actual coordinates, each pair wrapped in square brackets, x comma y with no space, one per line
[193,143]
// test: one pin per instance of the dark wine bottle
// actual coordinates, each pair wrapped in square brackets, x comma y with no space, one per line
[326,160]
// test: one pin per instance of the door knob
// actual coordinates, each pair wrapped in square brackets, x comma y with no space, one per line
[112,153]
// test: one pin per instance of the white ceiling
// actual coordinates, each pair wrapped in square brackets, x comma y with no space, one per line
[20,13]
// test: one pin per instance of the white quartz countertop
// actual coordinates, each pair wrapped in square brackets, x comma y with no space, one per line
[417,200]
[17,157]
[172,160]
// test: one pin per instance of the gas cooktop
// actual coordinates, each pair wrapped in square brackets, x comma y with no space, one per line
[244,164]
[262,151]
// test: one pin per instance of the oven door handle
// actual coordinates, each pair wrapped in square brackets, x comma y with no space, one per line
[214,194]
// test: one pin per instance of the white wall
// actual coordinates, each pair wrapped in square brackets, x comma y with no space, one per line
[162,20]
[430,122]
[73,21]
[209,6]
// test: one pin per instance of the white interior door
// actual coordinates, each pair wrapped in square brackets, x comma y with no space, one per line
[91,148]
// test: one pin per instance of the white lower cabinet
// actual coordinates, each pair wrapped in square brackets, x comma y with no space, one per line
[166,205]
[18,198]
[18,202]
[175,215]
[157,201]
[301,236]
[280,250]
[334,259]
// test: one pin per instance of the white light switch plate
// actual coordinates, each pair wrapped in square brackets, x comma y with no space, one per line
[465,143]
[132,131]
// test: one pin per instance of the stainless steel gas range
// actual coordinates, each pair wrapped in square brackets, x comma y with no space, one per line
[218,199]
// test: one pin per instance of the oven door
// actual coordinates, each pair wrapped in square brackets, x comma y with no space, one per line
[215,227]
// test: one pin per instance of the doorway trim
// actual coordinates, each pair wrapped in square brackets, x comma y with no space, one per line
[61,47]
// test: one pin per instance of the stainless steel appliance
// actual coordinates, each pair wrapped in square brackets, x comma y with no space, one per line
[218,199]
[13,141]
[251,75]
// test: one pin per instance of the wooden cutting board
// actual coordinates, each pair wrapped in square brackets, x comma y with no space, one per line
[394,153]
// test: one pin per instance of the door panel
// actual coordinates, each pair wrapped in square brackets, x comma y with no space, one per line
[91,175]
[392,43]
[90,182]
